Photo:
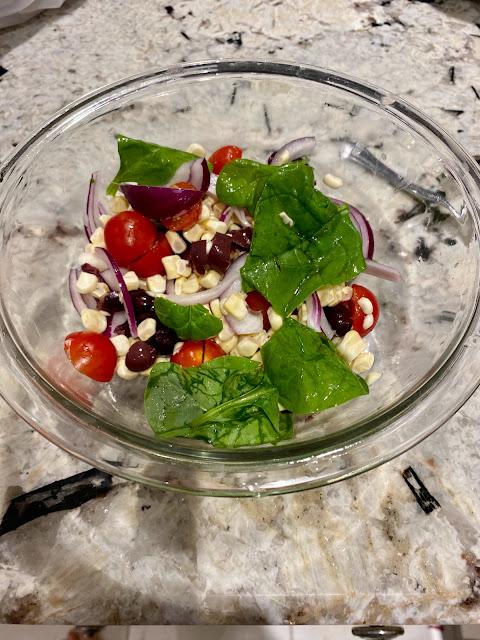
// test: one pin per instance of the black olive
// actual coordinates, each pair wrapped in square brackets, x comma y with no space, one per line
[110,302]
[122,330]
[339,317]
[142,303]
[164,340]
[140,356]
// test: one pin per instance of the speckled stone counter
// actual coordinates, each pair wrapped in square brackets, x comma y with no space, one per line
[359,551]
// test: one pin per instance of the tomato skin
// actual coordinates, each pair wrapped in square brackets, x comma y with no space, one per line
[257,302]
[358,316]
[223,156]
[128,236]
[92,354]
[151,262]
[183,220]
[195,352]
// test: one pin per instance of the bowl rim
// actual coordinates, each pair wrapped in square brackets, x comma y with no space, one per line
[335,445]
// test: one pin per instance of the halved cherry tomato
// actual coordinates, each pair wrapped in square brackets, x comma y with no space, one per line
[151,262]
[223,156]
[358,316]
[93,354]
[257,302]
[128,236]
[184,220]
[194,352]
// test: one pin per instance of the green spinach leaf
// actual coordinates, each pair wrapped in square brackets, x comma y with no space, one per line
[307,371]
[315,246]
[240,182]
[192,322]
[146,163]
[228,402]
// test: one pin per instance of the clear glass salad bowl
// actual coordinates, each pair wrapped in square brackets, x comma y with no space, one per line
[425,343]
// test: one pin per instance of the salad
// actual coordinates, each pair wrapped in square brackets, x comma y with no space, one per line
[230,284]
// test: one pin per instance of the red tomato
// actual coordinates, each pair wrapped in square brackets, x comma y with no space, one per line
[257,302]
[223,156]
[92,354]
[184,220]
[151,262]
[128,236]
[193,353]
[358,316]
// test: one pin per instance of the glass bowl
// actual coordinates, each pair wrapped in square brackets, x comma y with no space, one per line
[425,343]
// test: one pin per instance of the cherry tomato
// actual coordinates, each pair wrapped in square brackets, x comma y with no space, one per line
[92,354]
[257,302]
[194,352]
[128,236]
[223,156]
[151,262]
[358,316]
[184,220]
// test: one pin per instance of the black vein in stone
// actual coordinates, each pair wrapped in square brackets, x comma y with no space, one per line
[475,91]
[451,74]
[267,119]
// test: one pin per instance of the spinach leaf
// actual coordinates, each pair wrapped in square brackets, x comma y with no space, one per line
[228,402]
[288,262]
[307,371]
[240,182]
[146,163]
[193,322]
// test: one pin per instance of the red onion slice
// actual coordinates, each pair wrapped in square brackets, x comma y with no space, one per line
[110,279]
[127,299]
[363,227]
[202,297]
[293,150]
[160,202]
[383,271]
[196,172]
[316,319]
[79,301]
[113,321]
[213,184]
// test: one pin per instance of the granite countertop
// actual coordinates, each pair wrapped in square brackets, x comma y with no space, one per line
[359,551]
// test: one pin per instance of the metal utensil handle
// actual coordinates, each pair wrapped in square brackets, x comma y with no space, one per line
[378,631]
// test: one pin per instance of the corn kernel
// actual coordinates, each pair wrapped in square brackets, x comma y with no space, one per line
[260,338]
[156,284]
[206,211]
[367,322]
[363,362]
[94,320]
[100,290]
[285,218]
[246,346]
[215,226]
[191,284]
[218,208]
[86,283]
[176,242]
[121,344]
[197,150]
[194,233]
[131,280]
[226,333]
[179,282]
[236,306]
[351,346]
[330,296]
[97,238]
[104,218]
[146,329]
[118,204]
[210,279]
[123,372]
[275,319]
[332,181]
[257,357]
[215,307]
[176,267]
[228,345]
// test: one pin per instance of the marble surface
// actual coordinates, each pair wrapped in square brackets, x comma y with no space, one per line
[360,551]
